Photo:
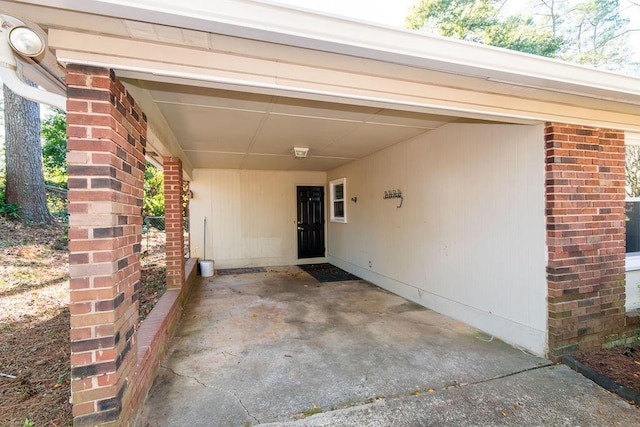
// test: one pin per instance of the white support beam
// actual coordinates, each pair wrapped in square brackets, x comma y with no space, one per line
[389,86]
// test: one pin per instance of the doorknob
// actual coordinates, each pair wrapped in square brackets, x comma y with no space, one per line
[300,228]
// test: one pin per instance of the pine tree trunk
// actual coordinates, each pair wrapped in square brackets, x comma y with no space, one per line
[23,155]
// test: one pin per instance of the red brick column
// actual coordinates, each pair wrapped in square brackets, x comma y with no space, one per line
[585,178]
[174,221]
[106,132]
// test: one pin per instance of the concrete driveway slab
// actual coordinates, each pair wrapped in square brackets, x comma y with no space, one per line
[277,347]
[548,396]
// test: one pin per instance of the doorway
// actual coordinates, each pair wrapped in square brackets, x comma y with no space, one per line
[310,204]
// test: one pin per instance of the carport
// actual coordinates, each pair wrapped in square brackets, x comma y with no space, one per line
[484,184]
[277,346]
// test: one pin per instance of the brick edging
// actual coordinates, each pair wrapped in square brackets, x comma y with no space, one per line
[603,381]
[155,324]
[154,336]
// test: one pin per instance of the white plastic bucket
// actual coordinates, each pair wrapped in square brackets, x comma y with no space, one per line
[206,267]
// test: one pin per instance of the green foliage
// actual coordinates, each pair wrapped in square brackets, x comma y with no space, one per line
[153,204]
[480,21]
[462,19]
[313,411]
[53,130]
[8,210]
[57,205]
[62,378]
[524,35]
[54,148]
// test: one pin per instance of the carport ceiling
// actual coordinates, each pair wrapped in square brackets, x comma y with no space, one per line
[238,130]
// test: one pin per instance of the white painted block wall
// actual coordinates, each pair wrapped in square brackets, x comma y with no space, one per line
[469,240]
[251,216]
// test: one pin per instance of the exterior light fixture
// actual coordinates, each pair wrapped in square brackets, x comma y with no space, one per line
[300,152]
[26,42]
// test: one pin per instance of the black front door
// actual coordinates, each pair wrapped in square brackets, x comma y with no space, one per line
[310,222]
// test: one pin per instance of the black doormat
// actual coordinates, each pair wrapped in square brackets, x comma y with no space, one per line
[227,271]
[327,273]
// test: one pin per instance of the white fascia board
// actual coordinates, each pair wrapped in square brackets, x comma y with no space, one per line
[296,27]
[632,138]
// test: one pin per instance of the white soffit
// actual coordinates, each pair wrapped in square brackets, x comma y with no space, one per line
[225,129]
[295,27]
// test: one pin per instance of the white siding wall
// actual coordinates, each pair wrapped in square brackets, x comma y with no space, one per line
[469,240]
[632,297]
[251,215]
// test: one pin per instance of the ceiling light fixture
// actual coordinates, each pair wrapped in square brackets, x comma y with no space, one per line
[26,42]
[300,152]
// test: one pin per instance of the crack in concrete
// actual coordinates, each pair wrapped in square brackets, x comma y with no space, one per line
[454,384]
[205,386]
[244,407]
[225,353]
[184,376]
[498,377]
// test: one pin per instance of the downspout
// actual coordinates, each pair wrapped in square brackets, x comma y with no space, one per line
[9,76]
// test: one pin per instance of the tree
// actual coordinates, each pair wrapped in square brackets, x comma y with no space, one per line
[590,32]
[595,32]
[23,156]
[480,21]
[54,148]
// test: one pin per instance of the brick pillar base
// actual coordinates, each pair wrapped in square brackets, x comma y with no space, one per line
[106,140]
[174,221]
[585,178]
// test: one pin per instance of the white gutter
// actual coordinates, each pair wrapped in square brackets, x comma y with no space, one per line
[9,76]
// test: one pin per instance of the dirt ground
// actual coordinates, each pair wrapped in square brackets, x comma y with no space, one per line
[34,320]
[621,364]
[154,271]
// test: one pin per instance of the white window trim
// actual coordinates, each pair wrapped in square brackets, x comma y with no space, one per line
[632,259]
[332,185]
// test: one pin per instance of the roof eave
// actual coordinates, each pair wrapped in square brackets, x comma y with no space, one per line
[274,23]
